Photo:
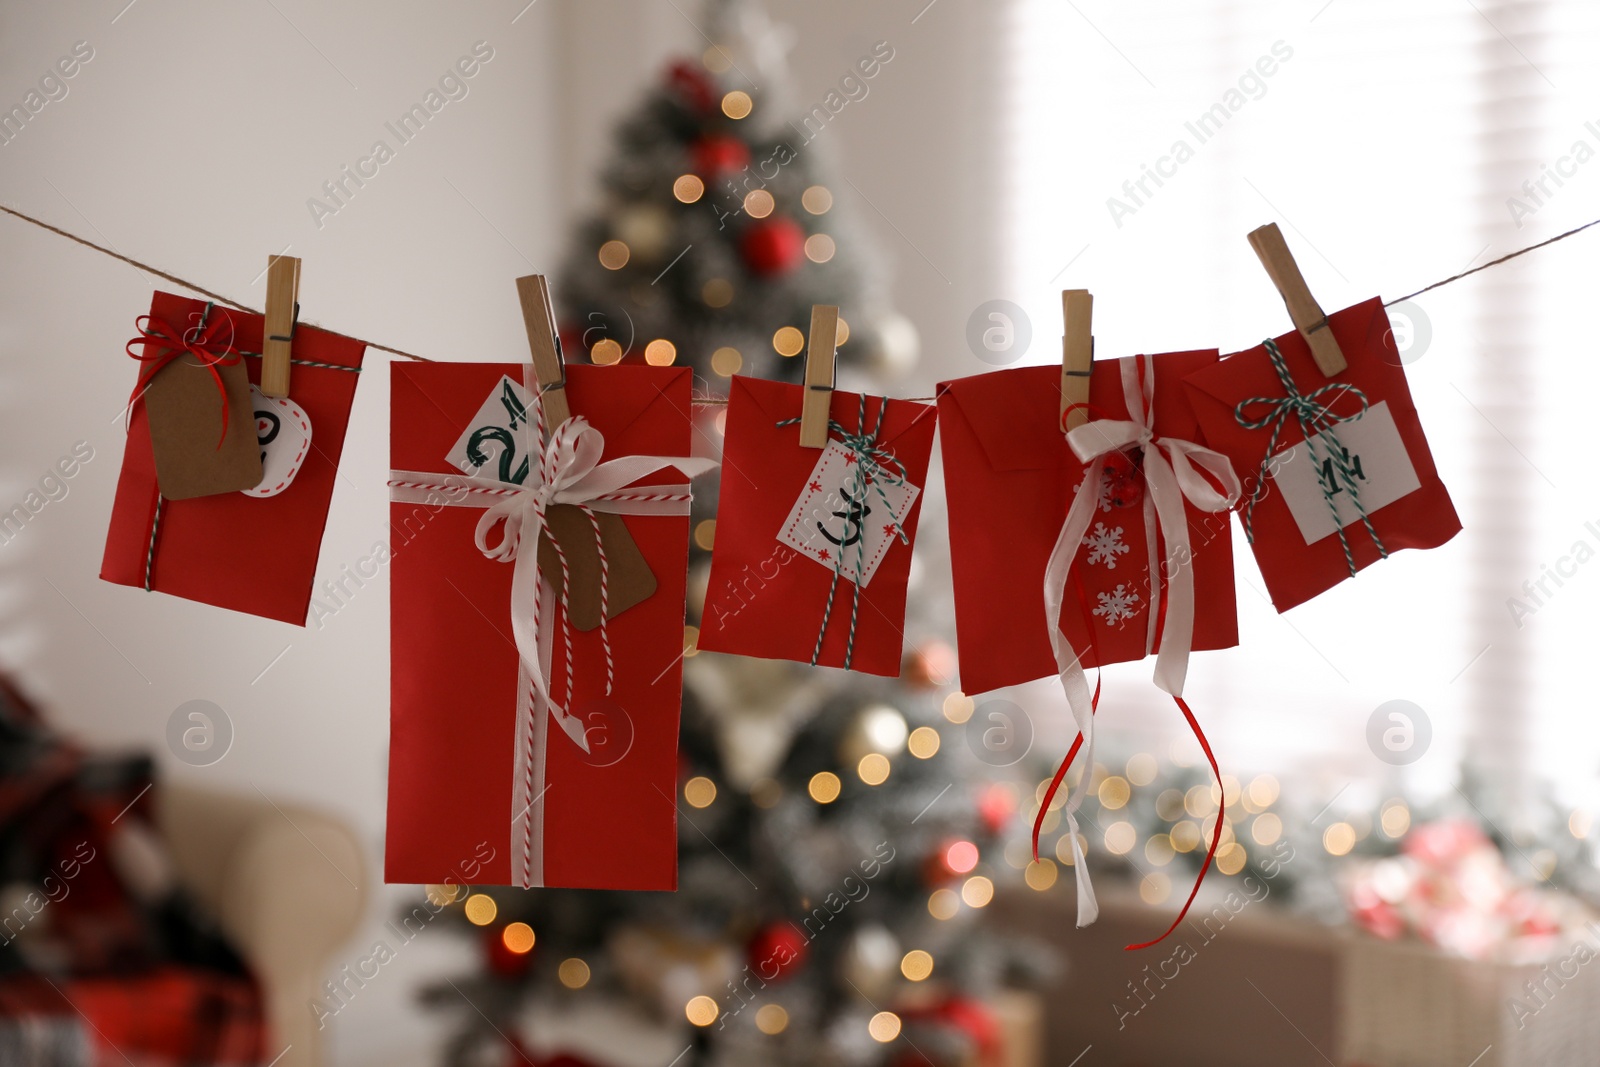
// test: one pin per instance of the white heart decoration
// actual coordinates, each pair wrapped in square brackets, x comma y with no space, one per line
[283,430]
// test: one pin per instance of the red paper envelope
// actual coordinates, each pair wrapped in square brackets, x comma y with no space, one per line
[767,596]
[1011,477]
[609,817]
[236,550]
[1295,539]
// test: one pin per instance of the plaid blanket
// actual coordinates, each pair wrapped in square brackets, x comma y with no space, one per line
[103,960]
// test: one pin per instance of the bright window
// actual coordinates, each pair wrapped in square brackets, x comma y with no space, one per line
[1391,143]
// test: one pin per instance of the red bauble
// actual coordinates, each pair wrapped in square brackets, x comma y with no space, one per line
[995,806]
[776,951]
[772,246]
[692,86]
[517,1054]
[717,154]
[929,666]
[502,961]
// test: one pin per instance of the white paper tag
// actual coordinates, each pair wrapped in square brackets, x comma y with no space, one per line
[492,439]
[283,430]
[845,521]
[1378,461]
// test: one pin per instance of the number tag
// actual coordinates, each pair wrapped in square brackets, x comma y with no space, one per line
[841,519]
[283,433]
[1378,462]
[489,444]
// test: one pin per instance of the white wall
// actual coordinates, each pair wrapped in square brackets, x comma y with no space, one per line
[193,139]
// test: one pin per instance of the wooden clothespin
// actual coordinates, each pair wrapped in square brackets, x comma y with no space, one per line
[821,374]
[1303,307]
[277,331]
[1077,356]
[549,366]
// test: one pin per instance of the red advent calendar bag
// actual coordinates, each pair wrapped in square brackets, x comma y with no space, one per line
[813,546]
[1096,546]
[1013,478]
[254,550]
[1337,471]
[526,741]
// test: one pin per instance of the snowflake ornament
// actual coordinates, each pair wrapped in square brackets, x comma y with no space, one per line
[1106,545]
[1105,489]
[1118,606]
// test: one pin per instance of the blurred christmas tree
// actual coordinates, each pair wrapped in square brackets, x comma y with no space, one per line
[837,841]
[829,908]
[718,230]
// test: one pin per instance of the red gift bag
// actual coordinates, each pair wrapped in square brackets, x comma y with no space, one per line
[1012,477]
[1367,460]
[813,546]
[246,552]
[525,771]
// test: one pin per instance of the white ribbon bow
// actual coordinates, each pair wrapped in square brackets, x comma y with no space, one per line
[1171,473]
[568,471]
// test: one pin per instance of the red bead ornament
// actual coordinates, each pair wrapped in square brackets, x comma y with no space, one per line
[718,154]
[772,246]
[1124,480]
[776,951]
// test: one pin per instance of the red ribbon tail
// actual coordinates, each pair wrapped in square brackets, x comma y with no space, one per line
[1216,832]
[1061,772]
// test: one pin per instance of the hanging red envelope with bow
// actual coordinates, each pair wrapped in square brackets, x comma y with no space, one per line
[253,550]
[1012,478]
[538,752]
[1337,471]
[813,546]
[1115,541]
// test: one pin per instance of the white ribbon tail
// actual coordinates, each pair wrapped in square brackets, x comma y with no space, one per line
[1070,669]
[1169,484]
[1177,631]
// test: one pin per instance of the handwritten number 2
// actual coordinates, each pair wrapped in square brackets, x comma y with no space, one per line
[508,452]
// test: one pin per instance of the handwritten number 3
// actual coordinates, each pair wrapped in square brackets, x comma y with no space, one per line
[508,452]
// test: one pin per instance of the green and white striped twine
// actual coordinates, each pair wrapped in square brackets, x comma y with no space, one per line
[864,445]
[1315,417]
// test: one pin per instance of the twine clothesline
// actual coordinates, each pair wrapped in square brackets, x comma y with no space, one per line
[699,401]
